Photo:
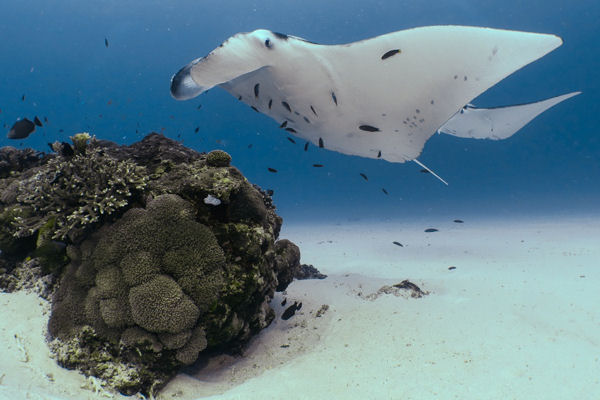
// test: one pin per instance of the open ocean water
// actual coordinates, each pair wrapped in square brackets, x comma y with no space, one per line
[55,64]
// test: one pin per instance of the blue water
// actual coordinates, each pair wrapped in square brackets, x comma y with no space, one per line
[54,54]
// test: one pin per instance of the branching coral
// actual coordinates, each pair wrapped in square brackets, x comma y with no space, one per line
[76,191]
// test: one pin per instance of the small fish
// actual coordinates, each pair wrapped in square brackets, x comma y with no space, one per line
[291,140]
[452,267]
[384,191]
[425,171]
[429,230]
[23,98]
[459,221]
[66,150]
[199,106]
[306,146]
[37,121]
[364,176]
[291,310]
[46,120]
[106,42]
[21,129]
[272,170]
[197,129]
[398,244]
[250,145]
[318,165]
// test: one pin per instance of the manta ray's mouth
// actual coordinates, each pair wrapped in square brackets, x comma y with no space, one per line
[183,87]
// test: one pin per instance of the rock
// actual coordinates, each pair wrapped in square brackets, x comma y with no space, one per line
[154,276]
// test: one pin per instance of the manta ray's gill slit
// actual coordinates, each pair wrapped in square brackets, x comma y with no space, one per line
[286,105]
[290,130]
[334,98]
[306,119]
[313,110]
[256,90]
[390,53]
[369,128]
[271,103]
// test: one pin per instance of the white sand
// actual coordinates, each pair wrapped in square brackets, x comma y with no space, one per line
[519,318]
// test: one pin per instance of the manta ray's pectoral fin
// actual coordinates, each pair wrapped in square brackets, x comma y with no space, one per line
[499,122]
[429,170]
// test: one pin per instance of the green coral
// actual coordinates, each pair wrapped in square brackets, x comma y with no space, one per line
[76,190]
[218,158]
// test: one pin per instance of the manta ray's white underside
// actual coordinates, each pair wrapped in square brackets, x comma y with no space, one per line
[379,98]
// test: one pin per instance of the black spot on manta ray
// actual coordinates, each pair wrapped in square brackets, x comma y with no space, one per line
[240,98]
[306,119]
[398,244]
[281,35]
[430,230]
[283,125]
[256,89]
[286,105]
[313,110]
[290,130]
[321,144]
[270,103]
[306,146]
[368,128]
[390,53]
[334,98]
[379,154]
[291,140]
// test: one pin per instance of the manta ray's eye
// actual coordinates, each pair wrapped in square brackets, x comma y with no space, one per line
[268,43]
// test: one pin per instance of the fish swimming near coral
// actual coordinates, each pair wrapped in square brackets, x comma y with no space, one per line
[21,129]
[382,97]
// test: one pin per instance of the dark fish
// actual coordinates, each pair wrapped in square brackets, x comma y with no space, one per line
[61,130]
[106,42]
[313,110]
[384,191]
[46,119]
[37,121]
[66,150]
[254,108]
[286,105]
[290,139]
[272,169]
[459,221]
[364,176]
[321,145]
[283,124]
[390,53]
[398,244]
[199,106]
[290,130]
[23,98]
[197,129]
[270,103]
[306,146]
[250,146]
[21,129]
[291,310]
[283,303]
[334,98]
[318,165]
[368,128]
[452,267]
[256,89]
[424,171]
[379,154]
[429,230]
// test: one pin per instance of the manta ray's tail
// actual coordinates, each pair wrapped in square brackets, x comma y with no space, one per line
[429,170]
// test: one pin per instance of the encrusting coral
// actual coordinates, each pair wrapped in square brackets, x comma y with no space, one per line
[150,274]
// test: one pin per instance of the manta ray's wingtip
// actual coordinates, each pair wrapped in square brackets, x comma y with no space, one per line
[183,86]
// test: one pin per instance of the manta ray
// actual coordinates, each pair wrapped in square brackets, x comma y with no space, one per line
[382,97]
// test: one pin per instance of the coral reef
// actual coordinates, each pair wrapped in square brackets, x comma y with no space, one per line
[149,274]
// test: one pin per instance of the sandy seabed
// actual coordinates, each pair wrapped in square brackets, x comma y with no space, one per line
[517,318]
